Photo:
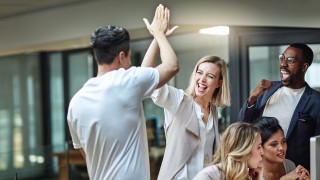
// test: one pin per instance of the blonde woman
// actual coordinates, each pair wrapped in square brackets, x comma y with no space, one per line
[240,150]
[191,119]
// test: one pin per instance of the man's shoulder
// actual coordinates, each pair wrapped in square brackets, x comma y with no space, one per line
[137,70]
[313,92]
[277,83]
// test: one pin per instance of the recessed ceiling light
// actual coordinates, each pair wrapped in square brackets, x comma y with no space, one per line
[217,30]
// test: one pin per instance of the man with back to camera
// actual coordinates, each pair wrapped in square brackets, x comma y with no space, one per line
[105,116]
[291,101]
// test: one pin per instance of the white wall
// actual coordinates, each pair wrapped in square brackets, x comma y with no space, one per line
[76,22]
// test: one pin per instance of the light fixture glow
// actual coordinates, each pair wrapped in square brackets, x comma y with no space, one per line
[217,30]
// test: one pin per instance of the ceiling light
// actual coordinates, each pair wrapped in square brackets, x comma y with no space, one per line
[217,30]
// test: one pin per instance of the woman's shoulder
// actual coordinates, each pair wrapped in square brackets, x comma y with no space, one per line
[288,165]
[211,173]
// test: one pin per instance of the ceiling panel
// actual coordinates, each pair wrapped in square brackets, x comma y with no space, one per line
[10,8]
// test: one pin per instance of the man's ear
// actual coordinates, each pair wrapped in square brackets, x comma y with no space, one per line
[121,56]
[305,67]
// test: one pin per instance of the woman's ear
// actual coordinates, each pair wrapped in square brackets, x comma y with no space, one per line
[220,83]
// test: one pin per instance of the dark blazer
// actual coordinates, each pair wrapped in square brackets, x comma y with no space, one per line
[305,122]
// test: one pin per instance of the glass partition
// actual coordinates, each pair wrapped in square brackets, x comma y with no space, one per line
[21,131]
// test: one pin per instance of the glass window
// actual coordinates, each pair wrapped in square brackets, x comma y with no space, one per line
[57,102]
[80,70]
[20,114]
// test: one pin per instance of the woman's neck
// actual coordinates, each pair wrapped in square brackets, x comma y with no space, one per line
[205,108]
[272,170]
[203,103]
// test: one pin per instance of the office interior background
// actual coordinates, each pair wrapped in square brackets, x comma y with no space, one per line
[45,57]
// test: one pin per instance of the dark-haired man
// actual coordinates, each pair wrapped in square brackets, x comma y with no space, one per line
[105,117]
[291,101]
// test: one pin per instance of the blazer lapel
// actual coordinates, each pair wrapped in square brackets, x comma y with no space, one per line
[192,126]
[269,93]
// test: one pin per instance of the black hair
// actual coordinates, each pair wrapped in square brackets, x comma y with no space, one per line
[307,53]
[108,41]
[268,126]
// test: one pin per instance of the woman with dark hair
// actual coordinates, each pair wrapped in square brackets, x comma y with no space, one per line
[274,164]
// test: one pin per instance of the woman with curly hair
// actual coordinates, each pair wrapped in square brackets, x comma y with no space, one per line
[240,151]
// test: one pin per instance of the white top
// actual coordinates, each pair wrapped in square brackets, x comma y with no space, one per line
[210,173]
[203,153]
[282,104]
[106,119]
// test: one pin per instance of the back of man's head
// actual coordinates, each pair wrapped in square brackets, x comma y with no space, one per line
[108,41]
[307,53]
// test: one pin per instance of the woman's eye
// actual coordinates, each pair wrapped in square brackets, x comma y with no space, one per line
[274,145]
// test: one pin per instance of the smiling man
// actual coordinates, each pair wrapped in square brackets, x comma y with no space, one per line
[291,101]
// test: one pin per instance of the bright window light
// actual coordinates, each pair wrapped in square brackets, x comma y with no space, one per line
[217,30]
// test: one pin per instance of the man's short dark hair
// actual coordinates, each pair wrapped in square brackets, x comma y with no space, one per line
[108,41]
[307,53]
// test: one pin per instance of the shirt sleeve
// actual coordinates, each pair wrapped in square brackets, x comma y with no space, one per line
[202,176]
[169,98]
[289,165]
[147,79]
[75,139]
[209,173]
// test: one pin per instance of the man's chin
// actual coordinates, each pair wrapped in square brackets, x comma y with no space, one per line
[285,82]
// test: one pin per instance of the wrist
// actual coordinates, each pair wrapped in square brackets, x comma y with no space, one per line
[251,100]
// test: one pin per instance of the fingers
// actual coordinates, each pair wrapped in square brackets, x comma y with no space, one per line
[304,176]
[160,12]
[170,31]
[167,14]
[146,22]
[265,84]
[174,28]
[161,19]
[261,88]
[160,23]
[304,173]
[301,169]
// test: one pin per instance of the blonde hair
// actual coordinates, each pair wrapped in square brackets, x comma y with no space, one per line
[221,97]
[235,149]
